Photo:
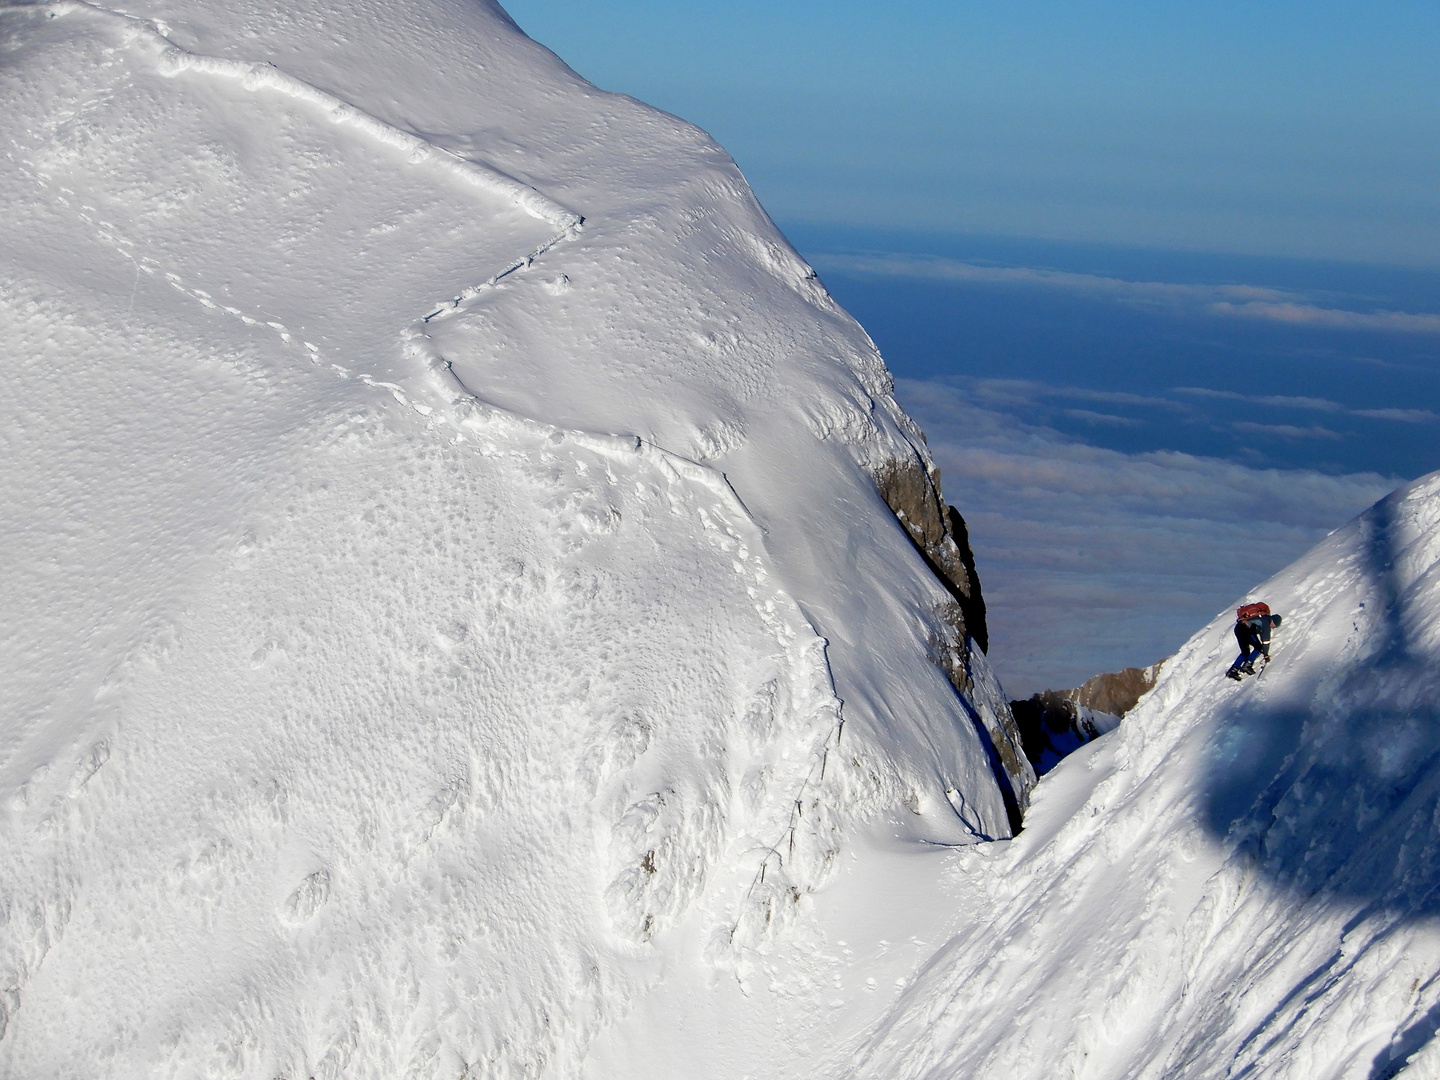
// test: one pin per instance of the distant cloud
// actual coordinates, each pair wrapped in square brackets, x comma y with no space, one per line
[1402,322]
[1090,417]
[1093,559]
[939,268]
[1038,399]
[1282,401]
[1287,431]
[1404,416]
[1230,301]
[1026,391]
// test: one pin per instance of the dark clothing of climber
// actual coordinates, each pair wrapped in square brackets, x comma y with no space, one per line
[1253,634]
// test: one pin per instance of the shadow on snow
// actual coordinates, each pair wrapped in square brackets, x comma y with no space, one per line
[1333,797]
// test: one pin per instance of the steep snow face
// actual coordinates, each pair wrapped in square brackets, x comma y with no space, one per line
[420,603]
[1244,880]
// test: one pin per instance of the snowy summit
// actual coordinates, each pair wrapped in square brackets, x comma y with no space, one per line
[445,553]
[474,608]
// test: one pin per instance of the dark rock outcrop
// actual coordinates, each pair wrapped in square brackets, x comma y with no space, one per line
[1116,692]
[1057,722]
[912,490]
[1052,726]
[974,611]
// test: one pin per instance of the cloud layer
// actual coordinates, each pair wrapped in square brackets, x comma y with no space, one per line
[1222,301]
[1324,405]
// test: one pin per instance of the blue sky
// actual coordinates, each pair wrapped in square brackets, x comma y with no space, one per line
[1160,281]
[1283,128]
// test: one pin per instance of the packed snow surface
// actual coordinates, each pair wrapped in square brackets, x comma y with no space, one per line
[442,553]
[452,628]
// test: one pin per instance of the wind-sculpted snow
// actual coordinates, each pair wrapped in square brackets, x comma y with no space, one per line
[429,623]
[172,61]
[1243,880]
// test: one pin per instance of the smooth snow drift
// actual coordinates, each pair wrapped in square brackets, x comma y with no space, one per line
[442,554]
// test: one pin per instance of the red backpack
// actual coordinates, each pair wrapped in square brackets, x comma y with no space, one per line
[1251,611]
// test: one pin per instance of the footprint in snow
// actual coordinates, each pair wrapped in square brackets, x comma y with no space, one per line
[308,898]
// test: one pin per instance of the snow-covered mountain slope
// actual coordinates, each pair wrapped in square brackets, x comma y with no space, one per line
[445,636]
[1243,880]
[418,603]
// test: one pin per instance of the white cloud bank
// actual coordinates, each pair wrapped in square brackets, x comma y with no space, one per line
[1402,322]
[1092,559]
[1228,301]
[1324,405]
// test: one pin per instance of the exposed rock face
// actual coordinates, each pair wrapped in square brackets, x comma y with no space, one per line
[1118,691]
[974,611]
[1056,722]
[911,488]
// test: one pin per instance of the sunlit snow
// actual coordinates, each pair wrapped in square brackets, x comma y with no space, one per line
[452,627]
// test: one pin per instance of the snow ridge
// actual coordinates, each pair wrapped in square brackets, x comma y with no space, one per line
[258,75]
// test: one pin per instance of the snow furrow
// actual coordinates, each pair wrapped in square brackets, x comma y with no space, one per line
[458,302]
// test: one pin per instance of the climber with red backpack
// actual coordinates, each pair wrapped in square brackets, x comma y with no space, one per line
[1253,623]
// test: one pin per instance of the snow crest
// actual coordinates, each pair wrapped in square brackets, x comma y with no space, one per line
[253,76]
